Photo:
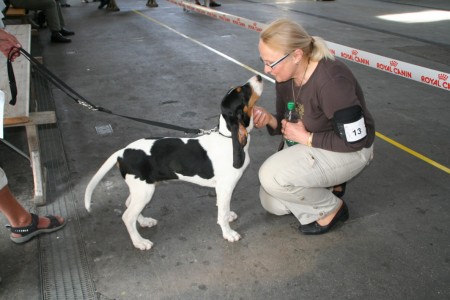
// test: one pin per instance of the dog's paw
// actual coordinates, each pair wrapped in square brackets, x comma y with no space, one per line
[143,244]
[147,222]
[232,216]
[231,236]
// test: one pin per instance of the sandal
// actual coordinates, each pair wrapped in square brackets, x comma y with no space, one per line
[30,231]
[340,193]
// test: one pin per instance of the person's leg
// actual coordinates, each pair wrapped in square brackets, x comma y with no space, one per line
[15,213]
[296,180]
[60,15]
[53,15]
[49,6]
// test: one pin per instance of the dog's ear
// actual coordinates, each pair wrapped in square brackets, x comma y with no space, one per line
[239,139]
[235,111]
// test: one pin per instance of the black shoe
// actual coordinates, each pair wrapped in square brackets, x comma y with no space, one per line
[65,32]
[315,228]
[152,3]
[340,193]
[65,5]
[214,4]
[103,3]
[59,38]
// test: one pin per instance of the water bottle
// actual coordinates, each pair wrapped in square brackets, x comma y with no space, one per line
[292,116]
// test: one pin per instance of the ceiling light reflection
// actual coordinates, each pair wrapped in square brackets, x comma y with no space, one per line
[418,17]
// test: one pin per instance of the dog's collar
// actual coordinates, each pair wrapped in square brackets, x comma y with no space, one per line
[224,132]
[225,135]
[203,131]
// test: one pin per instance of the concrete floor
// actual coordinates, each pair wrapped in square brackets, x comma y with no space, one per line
[396,244]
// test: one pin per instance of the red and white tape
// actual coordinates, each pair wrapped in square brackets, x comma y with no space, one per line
[242,22]
[393,66]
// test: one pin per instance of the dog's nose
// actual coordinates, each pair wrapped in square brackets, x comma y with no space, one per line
[259,78]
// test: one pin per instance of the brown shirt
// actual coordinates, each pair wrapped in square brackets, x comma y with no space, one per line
[330,88]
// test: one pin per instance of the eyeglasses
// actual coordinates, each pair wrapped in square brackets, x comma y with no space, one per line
[274,64]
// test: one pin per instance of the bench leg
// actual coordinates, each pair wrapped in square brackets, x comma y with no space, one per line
[35,160]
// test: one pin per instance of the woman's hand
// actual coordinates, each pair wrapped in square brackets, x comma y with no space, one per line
[261,118]
[295,132]
[7,42]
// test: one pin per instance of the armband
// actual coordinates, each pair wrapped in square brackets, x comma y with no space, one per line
[349,124]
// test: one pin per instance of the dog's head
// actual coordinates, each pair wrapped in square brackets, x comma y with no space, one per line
[237,107]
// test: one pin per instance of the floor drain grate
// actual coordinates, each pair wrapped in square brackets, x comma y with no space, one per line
[63,259]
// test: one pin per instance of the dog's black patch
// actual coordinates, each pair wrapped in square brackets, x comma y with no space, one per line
[168,156]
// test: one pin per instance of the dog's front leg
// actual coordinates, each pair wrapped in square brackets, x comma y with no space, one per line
[224,215]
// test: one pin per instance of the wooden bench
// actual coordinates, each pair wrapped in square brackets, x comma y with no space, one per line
[13,12]
[19,114]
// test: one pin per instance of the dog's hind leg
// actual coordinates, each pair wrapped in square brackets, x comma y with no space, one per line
[224,215]
[143,221]
[140,194]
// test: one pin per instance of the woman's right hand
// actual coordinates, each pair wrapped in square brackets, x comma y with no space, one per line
[261,117]
[7,42]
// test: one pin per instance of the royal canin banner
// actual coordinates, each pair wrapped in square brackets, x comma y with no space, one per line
[395,67]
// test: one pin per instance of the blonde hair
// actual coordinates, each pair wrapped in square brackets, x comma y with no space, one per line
[286,35]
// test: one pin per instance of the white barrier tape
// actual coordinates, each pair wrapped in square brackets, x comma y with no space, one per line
[393,66]
[396,67]
[242,22]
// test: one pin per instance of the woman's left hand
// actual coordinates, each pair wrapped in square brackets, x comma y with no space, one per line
[295,132]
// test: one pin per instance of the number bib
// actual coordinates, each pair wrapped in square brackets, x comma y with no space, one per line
[355,131]
[349,124]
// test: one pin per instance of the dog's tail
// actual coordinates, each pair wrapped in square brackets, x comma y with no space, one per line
[107,165]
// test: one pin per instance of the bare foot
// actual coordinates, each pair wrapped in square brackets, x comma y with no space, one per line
[325,221]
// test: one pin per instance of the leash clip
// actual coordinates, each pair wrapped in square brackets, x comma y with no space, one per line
[203,132]
[87,105]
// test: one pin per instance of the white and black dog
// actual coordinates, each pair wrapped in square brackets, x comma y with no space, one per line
[217,160]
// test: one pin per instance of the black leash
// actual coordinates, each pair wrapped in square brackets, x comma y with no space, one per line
[11,77]
[74,95]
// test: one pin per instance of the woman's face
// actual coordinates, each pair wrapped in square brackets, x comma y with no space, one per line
[277,63]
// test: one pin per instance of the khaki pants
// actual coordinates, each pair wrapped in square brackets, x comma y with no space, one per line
[297,180]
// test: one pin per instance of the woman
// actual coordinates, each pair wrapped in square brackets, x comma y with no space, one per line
[334,136]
